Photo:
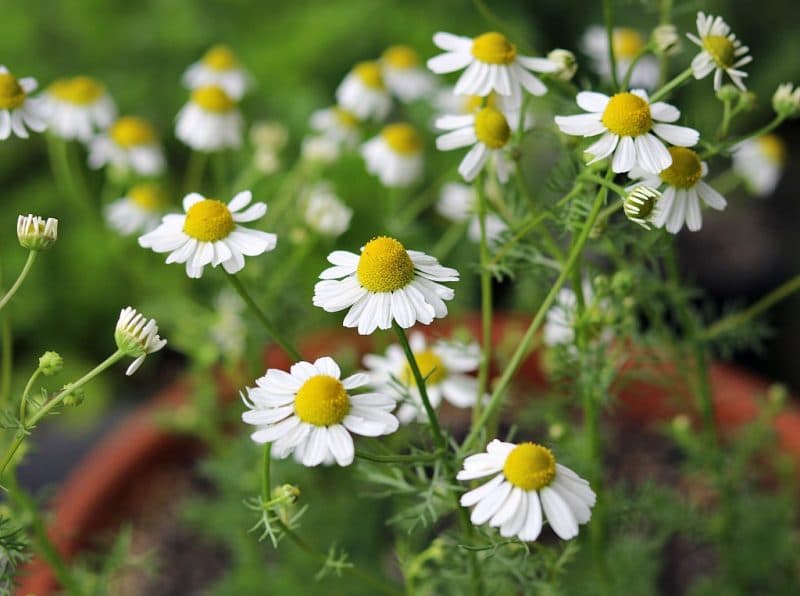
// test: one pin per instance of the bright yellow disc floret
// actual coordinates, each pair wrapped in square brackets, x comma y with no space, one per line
[430,365]
[402,138]
[220,57]
[322,401]
[370,74]
[213,99]
[721,49]
[494,48]
[492,128]
[384,265]
[130,131]
[400,57]
[627,115]
[208,221]
[530,466]
[80,90]
[686,169]
[11,93]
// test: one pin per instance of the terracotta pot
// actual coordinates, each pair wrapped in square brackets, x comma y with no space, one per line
[93,496]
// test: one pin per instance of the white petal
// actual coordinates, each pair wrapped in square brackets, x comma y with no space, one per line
[603,147]
[592,102]
[475,495]
[624,156]
[652,156]
[711,197]
[340,443]
[587,125]
[240,201]
[558,513]
[490,504]
[533,522]
[192,199]
[663,112]
[682,136]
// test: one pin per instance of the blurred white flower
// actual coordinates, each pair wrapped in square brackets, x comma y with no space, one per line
[395,155]
[210,121]
[457,203]
[130,144]
[219,67]
[320,149]
[19,111]
[325,213]
[363,92]
[139,210]
[759,162]
[337,124]
[404,74]
[77,108]
[628,44]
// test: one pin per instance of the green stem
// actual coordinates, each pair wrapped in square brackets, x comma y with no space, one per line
[447,242]
[266,477]
[726,119]
[26,391]
[399,459]
[22,275]
[547,239]
[6,360]
[629,73]
[269,327]
[620,190]
[664,19]
[674,83]
[608,17]
[486,301]
[767,128]
[194,171]
[610,210]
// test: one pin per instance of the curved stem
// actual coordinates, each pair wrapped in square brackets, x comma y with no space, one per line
[25,392]
[674,83]
[22,275]
[767,128]
[604,182]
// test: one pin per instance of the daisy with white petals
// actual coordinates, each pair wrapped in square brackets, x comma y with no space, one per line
[139,211]
[443,365]
[220,67]
[632,129]
[19,111]
[209,234]
[404,75]
[77,108]
[384,284]
[682,189]
[130,144]
[325,213]
[337,124]
[395,155]
[759,162]
[628,44]
[210,121]
[137,336]
[310,412]
[363,92]
[527,487]
[721,51]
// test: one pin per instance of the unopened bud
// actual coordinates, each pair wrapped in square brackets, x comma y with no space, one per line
[35,233]
[639,205]
[50,363]
[666,40]
[74,398]
[786,100]
[566,63]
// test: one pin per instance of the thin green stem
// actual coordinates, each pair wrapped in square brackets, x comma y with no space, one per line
[726,119]
[22,275]
[673,84]
[23,401]
[447,242]
[591,176]
[421,458]
[193,179]
[608,18]
[486,300]
[665,18]
[626,81]
[6,360]
[767,128]
[266,477]
[610,210]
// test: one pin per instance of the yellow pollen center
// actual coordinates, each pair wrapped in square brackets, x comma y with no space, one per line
[384,265]
[370,74]
[213,99]
[491,128]
[220,57]
[627,43]
[474,103]
[11,93]
[400,57]
[530,466]
[208,221]
[402,138]
[721,49]
[148,196]
[345,118]
[430,365]
[627,115]
[130,131]
[322,401]
[494,48]
[685,170]
[80,91]
[773,148]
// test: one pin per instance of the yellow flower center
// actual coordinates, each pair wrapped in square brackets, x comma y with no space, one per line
[627,43]
[627,115]
[530,466]
[474,103]
[494,48]
[491,128]
[721,49]
[213,99]
[685,170]
[209,220]
[402,138]
[773,148]
[322,401]
[130,131]
[11,93]
[220,57]
[370,74]
[80,91]
[384,265]
[148,196]
[400,57]
[345,118]
[430,365]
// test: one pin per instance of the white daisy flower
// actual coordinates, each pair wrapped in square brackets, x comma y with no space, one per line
[760,162]
[443,366]
[130,143]
[527,487]
[219,67]
[139,211]
[403,74]
[36,233]
[210,234]
[492,64]
[386,283]
[310,412]
[457,203]
[325,213]
[363,92]
[77,108]
[210,121]
[627,44]
[487,131]
[320,149]
[559,326]
[631,127]
[447,103]
[682,187]
[338,124]
[137,336]
[721,51]
[395,155]
[19,111]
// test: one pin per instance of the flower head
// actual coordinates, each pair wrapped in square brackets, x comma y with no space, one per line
[137,336]
[760,162]
[404,75]
[639,205]
[219,67]
[139,210]
[325,213]
[78,108]
[210,121]
[528,486]
[311,412]
[628,44]
[338,124]
[384,284]
[565,62]
[665,40]
[209,234]
[395,155]
[130,144]
[34,233]
[786,100]
[18,111]
[363,92]
[720,51]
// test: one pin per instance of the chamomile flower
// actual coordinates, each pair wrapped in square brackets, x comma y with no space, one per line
[721,51]
[682,188]
[759,162]
[311,412]
[404,75]
[395,155]
[363,92]
[210,121]
[492,64]
[139,211]
[209,234]
[487,131]
[338,124]
[384,284]
[78,107]
[628,44]
[137,336]
[130,144]
[457,203]
[325,213]
[219,67]
[443,364]
[18,111]
[36,233]
[527,487]
[447,103]
[632,129]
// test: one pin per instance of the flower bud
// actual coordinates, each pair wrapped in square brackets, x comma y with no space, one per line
[268,134]
[665,40]
[639,205]
[622,282]
[556,431]
[320,149]
[728,93]
[786,100]
[137,336]
[266,161]
[286,492]
[35,233]
[566,62]
[50,363]
[74,398]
